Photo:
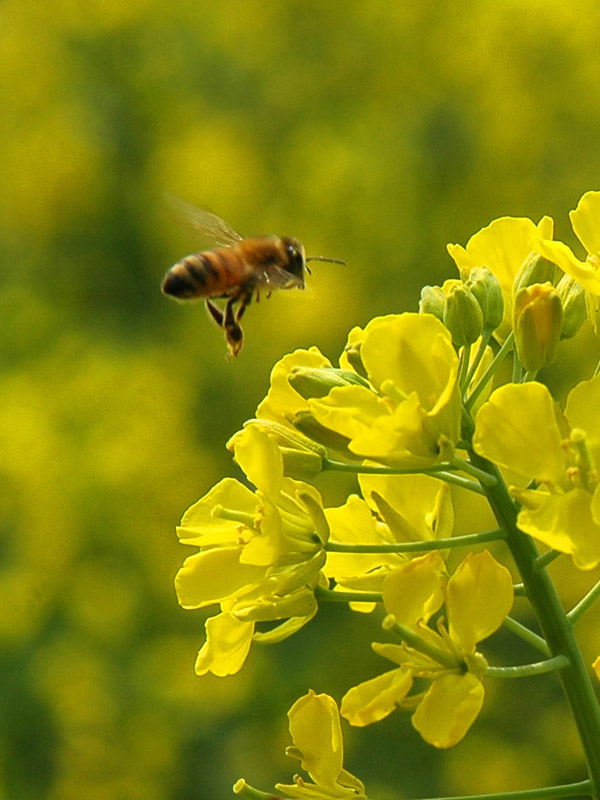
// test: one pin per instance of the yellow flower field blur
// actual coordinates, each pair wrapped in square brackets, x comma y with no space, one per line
[376,133]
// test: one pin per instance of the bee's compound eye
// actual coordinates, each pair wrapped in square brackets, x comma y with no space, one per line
[295,257]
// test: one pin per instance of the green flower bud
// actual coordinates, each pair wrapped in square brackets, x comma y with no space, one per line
[314,382]
[302,466]
[352,353]
[302,457]
[283,437]
[307,424]
[535,269]
[463,316]
[572,297]
[433,301]
[538,317]
[486,289]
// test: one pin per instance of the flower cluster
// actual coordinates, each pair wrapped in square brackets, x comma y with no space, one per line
[522,429]
[477,598]
[260,555]
[411,409]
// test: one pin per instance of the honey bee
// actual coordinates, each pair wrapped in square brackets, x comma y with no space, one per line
[237,270]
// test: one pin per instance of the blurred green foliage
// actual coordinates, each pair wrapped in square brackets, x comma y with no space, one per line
[373,131]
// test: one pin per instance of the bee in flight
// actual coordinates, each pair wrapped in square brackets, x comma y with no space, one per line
[237,270]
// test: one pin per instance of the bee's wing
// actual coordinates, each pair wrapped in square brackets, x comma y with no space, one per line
[274,277]
[206,222]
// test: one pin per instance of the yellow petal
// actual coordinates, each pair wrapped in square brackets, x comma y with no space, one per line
[448,710]
[373,700]
[461,257]
[354,523]
[415,591]
[581,271]
[585,220]
[414,352]
[479,597]
[424,502]
[565,523]
[264,548]
[316,732]
[582,407]
[227,645]
[596,666]
[200,527]
[502,247]
[213,576]
[259,457]
[517,429]
[281,399]
[349,410]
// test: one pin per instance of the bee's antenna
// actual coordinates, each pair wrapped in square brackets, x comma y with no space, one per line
[324,258]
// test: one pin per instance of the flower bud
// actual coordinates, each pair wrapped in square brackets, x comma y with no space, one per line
[486,289]
[307,424]
[538,317]
[463,316]
[535,269]
[318,382]
[433,301]
[302,457]
[572,298]
[352,354]
[282,435]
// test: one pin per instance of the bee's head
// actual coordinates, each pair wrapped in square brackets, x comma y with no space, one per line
[296,257]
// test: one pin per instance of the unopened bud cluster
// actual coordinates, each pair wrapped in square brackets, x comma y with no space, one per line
[468,308]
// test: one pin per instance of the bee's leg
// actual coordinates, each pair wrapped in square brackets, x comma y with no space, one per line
[215,313]
[245,302]
[233,332]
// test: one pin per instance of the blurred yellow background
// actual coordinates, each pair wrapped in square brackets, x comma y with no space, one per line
[372,131]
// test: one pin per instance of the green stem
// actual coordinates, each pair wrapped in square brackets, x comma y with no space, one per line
[489,373]
[463,367]
[517,372]
[457,480]
[546,559]
[437,471]
[331,596]
[554,623]
[465,466]
[443,657]
[527,670]
[530,375]
[245,790]
[527,635]
[483,343]
[584,604]
[467,540]
[580,789]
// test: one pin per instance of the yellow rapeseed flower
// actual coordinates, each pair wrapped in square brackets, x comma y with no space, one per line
[410,414]
[520,428]
[502,247]
[315,729]
[477,597]
[585,220]
[260,554]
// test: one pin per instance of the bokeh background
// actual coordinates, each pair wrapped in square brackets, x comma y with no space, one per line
[373,131]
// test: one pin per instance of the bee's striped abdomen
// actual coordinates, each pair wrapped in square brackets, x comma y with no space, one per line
[211,273]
